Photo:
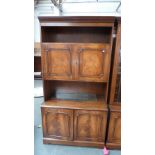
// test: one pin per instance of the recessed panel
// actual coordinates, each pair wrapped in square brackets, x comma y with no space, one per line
[90,125]
[59,62]
[91,62]
[58,125]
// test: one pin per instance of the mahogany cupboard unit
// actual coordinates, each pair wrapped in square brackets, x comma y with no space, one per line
[76,58]
[114,130]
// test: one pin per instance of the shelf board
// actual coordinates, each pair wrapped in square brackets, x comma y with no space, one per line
[98,104]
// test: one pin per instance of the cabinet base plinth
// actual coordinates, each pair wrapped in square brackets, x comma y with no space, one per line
[74,143]
[113,146]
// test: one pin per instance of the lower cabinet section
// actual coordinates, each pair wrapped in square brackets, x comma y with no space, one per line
[114,132]
[74,127]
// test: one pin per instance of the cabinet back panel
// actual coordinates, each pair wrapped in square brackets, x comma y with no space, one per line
[79,87]
[76,34]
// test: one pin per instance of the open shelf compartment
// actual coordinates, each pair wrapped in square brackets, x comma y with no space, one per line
[76,34]
[78,95]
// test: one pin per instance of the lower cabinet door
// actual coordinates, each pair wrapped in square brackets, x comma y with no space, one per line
[114,134]
[89,126]
[57,123]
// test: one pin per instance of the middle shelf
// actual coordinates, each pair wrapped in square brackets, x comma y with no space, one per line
[99,104]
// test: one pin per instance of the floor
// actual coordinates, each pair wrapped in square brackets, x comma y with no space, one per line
[42,149]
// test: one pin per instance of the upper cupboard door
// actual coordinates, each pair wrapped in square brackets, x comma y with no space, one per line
[93,62]
[56,61]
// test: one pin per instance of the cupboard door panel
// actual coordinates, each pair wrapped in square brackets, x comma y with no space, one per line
[58,124]
[57,61]
[89,125]
[93,62]
[114,135]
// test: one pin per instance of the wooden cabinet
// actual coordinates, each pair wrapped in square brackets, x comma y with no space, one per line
[76,59]
[57,123]
[89,125]
[114,129]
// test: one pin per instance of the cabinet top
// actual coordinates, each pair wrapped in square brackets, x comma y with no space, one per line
[78,20]
[96,19]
